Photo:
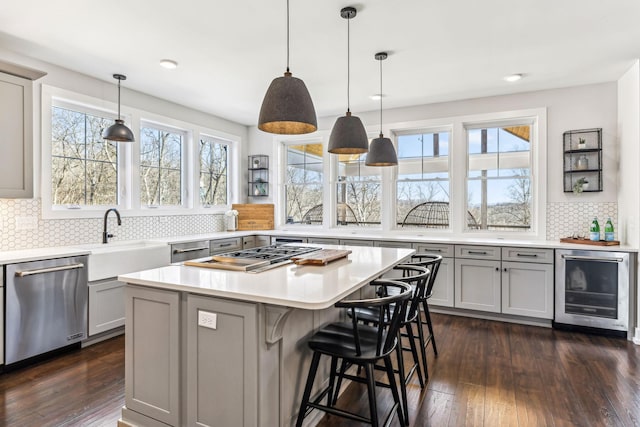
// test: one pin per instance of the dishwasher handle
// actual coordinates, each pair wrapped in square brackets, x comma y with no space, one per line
[49,270]
[184,251]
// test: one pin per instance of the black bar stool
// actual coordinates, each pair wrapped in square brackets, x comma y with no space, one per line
[356,343]
[432,262]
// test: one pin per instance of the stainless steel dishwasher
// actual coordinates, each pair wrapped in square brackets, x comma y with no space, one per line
[46,306]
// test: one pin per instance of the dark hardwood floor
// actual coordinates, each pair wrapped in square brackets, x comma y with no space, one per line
[487,374]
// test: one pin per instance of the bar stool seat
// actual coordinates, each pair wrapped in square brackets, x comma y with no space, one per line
[360,344]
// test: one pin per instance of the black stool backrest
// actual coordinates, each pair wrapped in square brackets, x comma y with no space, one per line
[418,277]
[392,310]
[430,261]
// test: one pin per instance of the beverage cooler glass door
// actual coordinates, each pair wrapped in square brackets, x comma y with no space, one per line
[592,289]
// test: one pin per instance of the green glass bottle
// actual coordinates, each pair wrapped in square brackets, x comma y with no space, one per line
[594,231]
[608,230]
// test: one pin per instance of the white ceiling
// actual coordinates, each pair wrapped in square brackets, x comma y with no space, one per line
[229,51]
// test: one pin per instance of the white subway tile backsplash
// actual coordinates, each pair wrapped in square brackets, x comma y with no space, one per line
[21,227]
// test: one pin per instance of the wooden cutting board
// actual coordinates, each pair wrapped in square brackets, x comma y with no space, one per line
[590,242]
[254,216]
[321,257]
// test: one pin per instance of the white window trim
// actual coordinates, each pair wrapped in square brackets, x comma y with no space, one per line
[129,153]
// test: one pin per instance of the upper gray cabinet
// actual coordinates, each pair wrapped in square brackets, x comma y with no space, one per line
[16,131]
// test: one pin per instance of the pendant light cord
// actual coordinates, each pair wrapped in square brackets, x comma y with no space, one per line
[380,97]
[287,36]
[348,65]
[119,80]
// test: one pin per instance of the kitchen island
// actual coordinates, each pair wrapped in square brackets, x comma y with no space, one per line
[227,348]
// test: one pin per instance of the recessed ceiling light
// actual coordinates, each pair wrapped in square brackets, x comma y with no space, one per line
[376,96]
[512,78]
[169,64]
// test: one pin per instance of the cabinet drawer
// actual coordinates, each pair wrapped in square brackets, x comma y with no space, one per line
[323,241]
[191,250]
[248,242]
[263,241]
[540,256]
[224,245]
[478,252]
[356,242]
[434,248]
[389,244]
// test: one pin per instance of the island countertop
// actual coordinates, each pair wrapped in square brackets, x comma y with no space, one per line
[298,286]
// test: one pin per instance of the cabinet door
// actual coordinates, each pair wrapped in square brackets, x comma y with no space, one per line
[442,293]
[152,353]
[106,306]
[477,284]
[527,289]
[263,241]
[222,363]
[248,242]
[16,149]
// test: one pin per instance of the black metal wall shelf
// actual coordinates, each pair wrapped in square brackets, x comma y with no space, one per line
[582,162]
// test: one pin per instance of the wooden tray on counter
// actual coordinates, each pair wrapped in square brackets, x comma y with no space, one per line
[590,242]
[321,257]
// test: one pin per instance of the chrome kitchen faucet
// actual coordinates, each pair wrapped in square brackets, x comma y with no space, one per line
[105,233]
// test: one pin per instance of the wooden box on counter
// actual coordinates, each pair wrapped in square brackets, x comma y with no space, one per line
[254,216]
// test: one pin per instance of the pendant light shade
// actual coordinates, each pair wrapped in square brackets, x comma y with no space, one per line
[381,151]
[287,108]
[348,135]
[118,131]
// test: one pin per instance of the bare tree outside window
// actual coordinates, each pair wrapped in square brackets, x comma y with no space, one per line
[84,167]
[303,183]
[213,172]
[160,167]
[423,177]
[359,192]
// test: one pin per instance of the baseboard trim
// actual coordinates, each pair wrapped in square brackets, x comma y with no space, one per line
[636,338]
[531,321]
[103,337]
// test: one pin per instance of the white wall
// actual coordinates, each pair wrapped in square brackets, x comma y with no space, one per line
[629,174]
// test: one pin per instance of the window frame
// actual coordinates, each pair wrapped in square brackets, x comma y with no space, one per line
[128,162]
[216,140]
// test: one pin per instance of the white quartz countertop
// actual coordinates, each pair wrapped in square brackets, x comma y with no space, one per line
[306,287]
[25,255]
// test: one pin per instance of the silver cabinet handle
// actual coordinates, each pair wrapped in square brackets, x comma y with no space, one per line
[432,250]
[49,270]
[527,255]
[182,251]
[224,245]
[591,258]
[477,252]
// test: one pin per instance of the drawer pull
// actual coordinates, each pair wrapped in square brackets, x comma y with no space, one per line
[184,251]
[477,252]
[224,245]
[433,250]
[527,255]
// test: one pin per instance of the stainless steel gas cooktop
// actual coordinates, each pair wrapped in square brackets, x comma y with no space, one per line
[253,260]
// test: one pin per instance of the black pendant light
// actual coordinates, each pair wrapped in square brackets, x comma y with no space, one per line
[118,131]
[381,151]
[287,108]
[348,135]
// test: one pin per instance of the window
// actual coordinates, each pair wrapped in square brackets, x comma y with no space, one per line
[499,180]
[422,187]
[84,167]
[359,192]
[160,167]
[213,171]
[303,183]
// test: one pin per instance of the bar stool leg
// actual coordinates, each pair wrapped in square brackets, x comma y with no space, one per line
[423,351]
[307,388]
[394,391]
[371,388]
[332,380]
[414,351]
[401,376]
[432,337]
[343,369]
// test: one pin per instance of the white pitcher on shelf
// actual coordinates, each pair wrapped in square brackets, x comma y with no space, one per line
[232,219]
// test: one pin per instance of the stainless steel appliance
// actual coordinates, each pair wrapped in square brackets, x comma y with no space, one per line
[46,306]
[254,260]
[592,289]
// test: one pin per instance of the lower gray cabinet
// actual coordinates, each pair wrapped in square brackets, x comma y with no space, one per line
[222,362]
[152,353]
[527,289]
[106,305]
[477,284]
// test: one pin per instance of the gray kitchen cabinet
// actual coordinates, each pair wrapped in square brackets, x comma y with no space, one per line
[528,282]
[181,252]
[16,134]
[356,242]
[443,288]
[248,242]
[222,362]
[1,315]
[263,241]
[106,305]
[477,284]
[323,241]
[152,355]
[225,245]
